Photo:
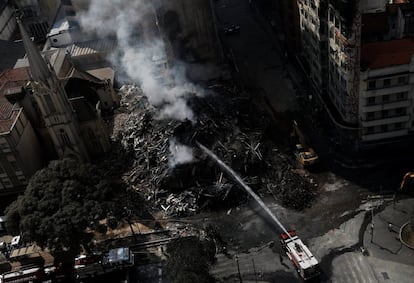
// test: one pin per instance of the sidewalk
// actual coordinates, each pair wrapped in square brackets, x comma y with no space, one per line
[381,240]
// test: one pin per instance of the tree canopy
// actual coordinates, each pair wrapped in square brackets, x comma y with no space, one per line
[189,260]
[62,205]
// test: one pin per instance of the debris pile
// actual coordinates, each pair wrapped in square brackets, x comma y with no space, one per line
[232,127]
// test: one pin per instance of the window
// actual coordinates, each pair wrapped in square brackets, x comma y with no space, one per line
[400,111]
[4,146]
[14,166]
[387,82]
[6,182]
[398,125]
[384,113]
[370,115]
[371,84]
[371,100]
[385,98]
[370,130]
[384,128]
[22,179]
[401,96]
[402,80]
[65,138]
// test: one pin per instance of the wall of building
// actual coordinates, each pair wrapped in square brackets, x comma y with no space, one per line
[193,26]
[313,37]
[20,154]
[8,23]
[96,137]
[343,66]
[49,8]
[386,102]
[33,18]
[30,155]
[60,39]
[373,6]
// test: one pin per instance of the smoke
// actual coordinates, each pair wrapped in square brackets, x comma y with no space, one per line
[179,154]
[142,54]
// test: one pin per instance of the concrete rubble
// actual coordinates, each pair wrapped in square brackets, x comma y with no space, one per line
[232,127]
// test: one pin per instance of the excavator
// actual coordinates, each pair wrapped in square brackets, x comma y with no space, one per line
[407,182]
[305,155]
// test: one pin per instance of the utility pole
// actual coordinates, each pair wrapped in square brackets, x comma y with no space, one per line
[238,267]
[254,269]
[372,220]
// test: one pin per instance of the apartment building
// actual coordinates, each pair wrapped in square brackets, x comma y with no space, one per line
[387,90]
[314,41]
[366,81]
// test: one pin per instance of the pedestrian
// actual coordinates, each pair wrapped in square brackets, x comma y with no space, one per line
[281,259]
[390,227]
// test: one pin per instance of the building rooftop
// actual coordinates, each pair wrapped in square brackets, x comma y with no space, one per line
[92,46]
[377,55]
[10,52]
[103,73]
[11,81]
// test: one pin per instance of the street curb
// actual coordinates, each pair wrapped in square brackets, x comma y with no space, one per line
[400,235]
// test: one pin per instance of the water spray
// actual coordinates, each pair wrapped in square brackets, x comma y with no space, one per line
[239,181]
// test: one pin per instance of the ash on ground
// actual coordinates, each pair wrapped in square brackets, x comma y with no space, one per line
[232,126]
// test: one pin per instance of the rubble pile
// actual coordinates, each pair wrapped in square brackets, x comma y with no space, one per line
[232,127]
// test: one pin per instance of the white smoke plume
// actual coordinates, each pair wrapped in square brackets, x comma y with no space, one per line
[142,54]
[179,154]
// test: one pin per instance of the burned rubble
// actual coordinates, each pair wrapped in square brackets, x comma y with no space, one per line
[232,127]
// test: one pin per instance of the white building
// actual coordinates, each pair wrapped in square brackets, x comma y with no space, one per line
[386,97]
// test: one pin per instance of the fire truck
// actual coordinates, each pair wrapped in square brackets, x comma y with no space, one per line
[32,275]
[306,264]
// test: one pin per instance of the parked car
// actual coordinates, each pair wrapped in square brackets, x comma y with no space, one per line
[231,29]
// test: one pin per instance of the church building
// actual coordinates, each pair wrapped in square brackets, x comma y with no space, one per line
[49,110]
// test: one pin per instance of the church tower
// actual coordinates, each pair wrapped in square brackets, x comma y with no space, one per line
[56,110]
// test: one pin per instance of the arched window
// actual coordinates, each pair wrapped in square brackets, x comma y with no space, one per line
[65,138]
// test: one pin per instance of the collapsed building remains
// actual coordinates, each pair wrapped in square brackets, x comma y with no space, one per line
[233,127]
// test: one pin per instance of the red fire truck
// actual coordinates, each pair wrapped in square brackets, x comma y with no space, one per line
[306,264]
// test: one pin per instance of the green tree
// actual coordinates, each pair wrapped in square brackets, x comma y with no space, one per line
[189,260]
[61,207]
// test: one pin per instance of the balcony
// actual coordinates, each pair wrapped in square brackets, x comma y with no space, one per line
[387,90]
[385,106]
[383,121]
[384,135]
